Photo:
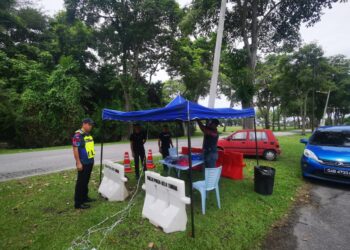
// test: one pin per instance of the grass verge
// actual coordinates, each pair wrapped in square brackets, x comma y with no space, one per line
[37,213]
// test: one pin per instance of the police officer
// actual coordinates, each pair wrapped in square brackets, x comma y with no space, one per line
[137,140]
[84,153]
[164,142]
[211,136]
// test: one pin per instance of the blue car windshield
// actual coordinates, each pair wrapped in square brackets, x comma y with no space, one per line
[331,138]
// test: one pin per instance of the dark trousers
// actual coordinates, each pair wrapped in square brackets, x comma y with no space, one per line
[139,155]
[210,158]
[81,186]
[165,153]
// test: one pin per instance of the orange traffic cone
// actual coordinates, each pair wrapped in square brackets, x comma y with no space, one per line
[127,165]
[150,164]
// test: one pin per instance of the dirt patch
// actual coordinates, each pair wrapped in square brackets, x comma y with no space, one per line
[281,235]
[13,175]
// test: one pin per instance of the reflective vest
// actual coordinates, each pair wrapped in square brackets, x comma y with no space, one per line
[88,144]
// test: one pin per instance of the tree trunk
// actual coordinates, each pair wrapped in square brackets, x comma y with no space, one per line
[342,118]
[267,120]
[329,118]
[247,123]
[337,115]
[278,118]
[231,105]
[184,127]
[251,49]
[273,118]
[126,88]
[304,116]
[294,122]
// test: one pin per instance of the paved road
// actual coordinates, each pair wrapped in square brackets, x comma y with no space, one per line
[325,222]
[40,162]
[320,222]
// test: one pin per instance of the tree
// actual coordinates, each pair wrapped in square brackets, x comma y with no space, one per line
[40,83]
[76,40]
[305,71]
[191,62]
[133,35]
[267,94]
[235,77]
[340,96]
[50,107]
[261,25]
[171,88]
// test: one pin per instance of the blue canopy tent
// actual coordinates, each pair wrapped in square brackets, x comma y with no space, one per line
[179,109]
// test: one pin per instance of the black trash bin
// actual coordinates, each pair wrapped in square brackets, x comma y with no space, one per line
[264,178]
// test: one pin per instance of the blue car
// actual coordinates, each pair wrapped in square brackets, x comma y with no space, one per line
[327,154]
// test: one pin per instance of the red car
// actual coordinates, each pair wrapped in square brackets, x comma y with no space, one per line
[243,141]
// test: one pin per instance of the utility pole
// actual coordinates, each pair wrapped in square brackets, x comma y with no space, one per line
[216,63]
[323,120]
[313,99]
[313,111]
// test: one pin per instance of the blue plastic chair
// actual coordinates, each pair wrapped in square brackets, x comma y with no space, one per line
[173,152]
[211,182]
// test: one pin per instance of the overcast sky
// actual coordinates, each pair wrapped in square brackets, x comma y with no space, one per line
[332,32]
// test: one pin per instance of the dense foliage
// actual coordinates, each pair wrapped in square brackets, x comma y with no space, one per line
[55,71]
[296,85]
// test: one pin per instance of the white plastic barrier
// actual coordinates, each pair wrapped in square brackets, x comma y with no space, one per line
[113,183]
[165,202]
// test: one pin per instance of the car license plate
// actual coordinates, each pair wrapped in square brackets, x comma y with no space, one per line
[340,172]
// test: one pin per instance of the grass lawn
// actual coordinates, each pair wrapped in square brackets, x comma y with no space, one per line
[37,212]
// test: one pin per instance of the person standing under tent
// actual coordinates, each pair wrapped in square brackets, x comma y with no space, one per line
[137,140]
[164,142]
[210,141]
[84,153]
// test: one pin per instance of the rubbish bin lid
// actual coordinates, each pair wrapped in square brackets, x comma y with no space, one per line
[265,170]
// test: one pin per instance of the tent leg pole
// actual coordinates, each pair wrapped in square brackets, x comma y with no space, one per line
[190,175]
[256,144]
[177,138]
[101,157]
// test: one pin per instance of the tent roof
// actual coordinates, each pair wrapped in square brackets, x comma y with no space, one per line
[178,109]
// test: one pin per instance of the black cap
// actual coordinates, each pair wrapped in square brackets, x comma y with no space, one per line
[88,120]
[215,121]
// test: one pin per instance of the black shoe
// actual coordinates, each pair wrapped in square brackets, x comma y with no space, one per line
[89,200]
[82,206]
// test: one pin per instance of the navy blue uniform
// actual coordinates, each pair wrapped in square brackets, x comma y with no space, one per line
[85,144]
[137,140]
[210,152]
[165,142]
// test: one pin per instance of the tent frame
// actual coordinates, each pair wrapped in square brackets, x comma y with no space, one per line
[188,122]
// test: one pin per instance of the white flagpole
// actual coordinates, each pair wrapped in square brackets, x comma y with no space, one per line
[216,63]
